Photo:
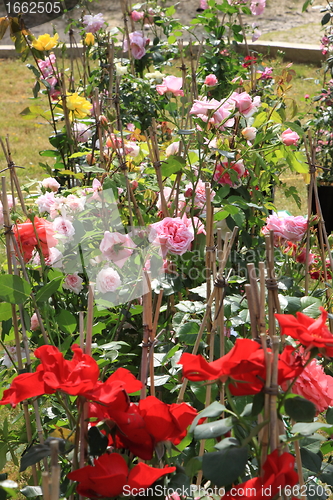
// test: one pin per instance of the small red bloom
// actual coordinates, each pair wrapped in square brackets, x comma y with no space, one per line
[110,474]
[309,332]
[249,61]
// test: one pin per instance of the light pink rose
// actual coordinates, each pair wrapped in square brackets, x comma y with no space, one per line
[131,148]
[93,23]
[7,361]
[200,195]
[203,5]
[172,149]
[81,132]
[137,16]
[137,44]
[222,172]
[117,247]
[63,227]
[211,80]
[107,280]
[266,74]
[53,260]
[244,103]
[289,137]
[171,84]
[34,323]
[289,228]
[257,7]
[170,199]
[195,225]
[51,183]
[172,235]
[214,112]
[313,384]
[249,133]
[73,283]
[75,203]
[45,202]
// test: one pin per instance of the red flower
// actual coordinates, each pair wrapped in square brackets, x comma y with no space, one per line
[279,471]
[110,474]
[244,364]
[308,331]
[248,61]
[141,426]
[76,377]
[39,234]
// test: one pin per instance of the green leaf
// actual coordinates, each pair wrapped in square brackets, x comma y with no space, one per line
[213,410]
[188,332]
[329,415]
[227,443]
[14,289]
[66,321]
[326,18]
[306,428]
[32,491]
[213,429]
[225,466]
[310,460]
[49,153]
[5,311]
[172,165]
[310,306]
[300,409]
[46,291]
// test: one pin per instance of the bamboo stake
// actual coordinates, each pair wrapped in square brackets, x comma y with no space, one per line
[226,252]
[55,471]
[147,332]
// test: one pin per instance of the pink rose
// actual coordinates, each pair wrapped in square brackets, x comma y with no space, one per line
[171,84]
[211,80]
[257,7]
[81,132]
[289,137]
[222,172]
[203,5]
[313,384]
[172,235]
[249,133]
[244,103]
[63,227]
[214,112]
[290,228]
[73,282]
[172,149]
[137,16]
[45,202]
[117,247]
[93,23]
[53,260]
[200,195]
[34,323]
[107,280]
[51,183]
[75,203]
[137,44]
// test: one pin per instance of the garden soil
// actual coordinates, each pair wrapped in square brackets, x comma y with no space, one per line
[280,16]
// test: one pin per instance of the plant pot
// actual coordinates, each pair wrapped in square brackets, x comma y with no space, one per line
[325,194]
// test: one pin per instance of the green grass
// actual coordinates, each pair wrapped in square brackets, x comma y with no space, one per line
[26,138]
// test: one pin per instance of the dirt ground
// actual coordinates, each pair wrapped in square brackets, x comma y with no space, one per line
[281,20]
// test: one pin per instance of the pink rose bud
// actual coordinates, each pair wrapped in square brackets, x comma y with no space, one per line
[289,137]
[211,80]
[172,149]
[103,120]
[34,323]
[249,133]
[307,96]
[134,184]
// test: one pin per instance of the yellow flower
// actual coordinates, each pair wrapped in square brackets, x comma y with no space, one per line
[45,42]
[89,39]
[79,106]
